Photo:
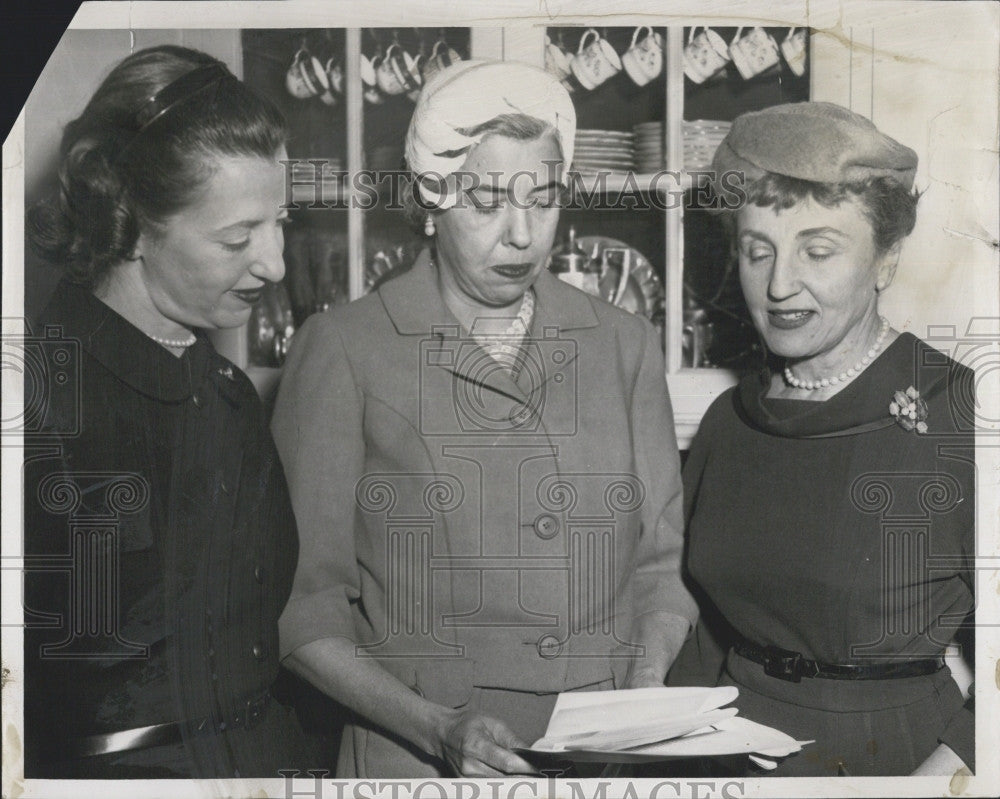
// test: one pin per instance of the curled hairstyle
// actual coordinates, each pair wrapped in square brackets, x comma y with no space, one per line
[889,207]
[115,180]
[520,127]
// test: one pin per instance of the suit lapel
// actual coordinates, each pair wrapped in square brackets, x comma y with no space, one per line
[416,308]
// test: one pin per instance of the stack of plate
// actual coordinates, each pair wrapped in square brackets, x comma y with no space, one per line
[702,138]
[604,151]
[649,152]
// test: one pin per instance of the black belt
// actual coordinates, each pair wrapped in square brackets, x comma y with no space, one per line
[166,734]
[787,665]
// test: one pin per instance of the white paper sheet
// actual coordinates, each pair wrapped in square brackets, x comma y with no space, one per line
[587,725]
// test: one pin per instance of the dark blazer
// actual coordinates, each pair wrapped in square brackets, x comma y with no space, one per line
[160,546]
[466,527]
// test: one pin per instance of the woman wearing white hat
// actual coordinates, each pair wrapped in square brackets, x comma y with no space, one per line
[482,462]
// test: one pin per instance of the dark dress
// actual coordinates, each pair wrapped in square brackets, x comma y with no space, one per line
[160,548]
[827,529]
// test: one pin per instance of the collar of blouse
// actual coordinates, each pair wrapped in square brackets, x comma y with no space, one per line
[123,349]
[415,306]
[861,406]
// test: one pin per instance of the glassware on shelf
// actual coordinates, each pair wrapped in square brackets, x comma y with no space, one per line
[612,270]
[571,264]
[696,338]
[271,327]
[328,268]
[628,279]
[387,256]
[315,269]
[616,269]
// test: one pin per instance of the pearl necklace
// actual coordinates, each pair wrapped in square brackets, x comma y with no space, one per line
[843,377]
[499,345]
[176,343]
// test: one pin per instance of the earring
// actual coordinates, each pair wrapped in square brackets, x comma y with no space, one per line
[429,229]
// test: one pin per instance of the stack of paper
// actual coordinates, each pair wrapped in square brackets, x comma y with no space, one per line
[654,724]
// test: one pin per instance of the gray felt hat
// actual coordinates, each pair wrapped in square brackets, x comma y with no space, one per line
[821,142]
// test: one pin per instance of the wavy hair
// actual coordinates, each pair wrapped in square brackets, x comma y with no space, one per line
[115,182]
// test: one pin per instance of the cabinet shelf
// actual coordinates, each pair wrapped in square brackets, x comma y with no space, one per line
[334,192]
[357,133]
[663,182]
[329,194]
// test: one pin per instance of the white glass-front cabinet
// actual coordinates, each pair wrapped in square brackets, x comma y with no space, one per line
[679,265]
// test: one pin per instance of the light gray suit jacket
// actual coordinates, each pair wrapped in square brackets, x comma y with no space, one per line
[466,527]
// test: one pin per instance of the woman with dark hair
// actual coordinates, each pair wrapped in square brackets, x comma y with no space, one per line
[158,531]
[482,462]
[820,492]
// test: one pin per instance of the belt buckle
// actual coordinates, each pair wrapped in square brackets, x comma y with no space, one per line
[783,664]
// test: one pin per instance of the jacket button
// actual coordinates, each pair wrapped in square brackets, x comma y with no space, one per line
[258,573]
[258,651]
[196,400]
[546,526]
[549,647]
[224,487]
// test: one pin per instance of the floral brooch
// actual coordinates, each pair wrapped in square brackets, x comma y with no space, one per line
[909,410]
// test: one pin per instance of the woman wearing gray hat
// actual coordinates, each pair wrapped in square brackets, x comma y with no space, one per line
[829,498]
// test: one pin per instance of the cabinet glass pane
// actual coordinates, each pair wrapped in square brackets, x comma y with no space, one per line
[391,242]
[616,78]
[716,327]
[285,66]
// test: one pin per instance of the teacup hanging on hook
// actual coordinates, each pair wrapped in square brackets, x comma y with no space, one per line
[335,81]
[369,75]
[305,76]
[793,48]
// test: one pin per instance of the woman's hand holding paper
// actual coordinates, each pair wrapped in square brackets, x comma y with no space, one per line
[480,746]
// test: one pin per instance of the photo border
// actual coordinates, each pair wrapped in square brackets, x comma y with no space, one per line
[837,20]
